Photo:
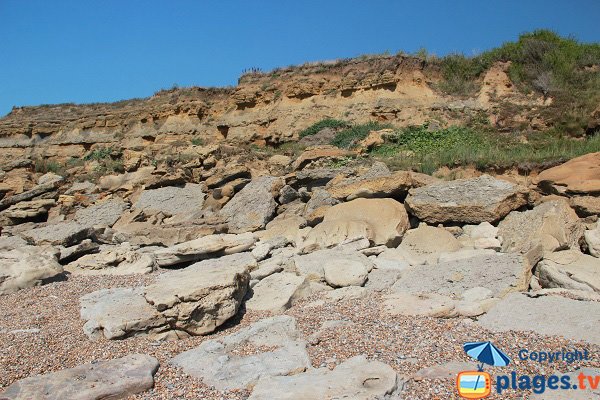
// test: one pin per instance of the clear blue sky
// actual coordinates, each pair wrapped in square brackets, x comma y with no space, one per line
[91,51]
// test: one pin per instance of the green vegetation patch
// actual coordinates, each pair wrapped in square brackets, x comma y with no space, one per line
[348,138]
[319,126]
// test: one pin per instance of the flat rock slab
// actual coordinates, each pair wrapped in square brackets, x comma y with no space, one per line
[469,201]
[172,200]
[64,233]
[277,292]
[218,365]
[546,315]
[113,379]
[104,214]
[28,266]
[205,247]
[569,269]
[356,378]
[501,273]
[313,265]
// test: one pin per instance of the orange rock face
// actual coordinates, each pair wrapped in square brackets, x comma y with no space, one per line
[579,175]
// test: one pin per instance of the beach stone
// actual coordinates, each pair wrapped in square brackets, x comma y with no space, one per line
[111,379]
[209,246]
[203,296]
[28,266]
[545,315]
[218,364]
[469,201]
[356,378]
[425,244]
[277,292]
[253,206]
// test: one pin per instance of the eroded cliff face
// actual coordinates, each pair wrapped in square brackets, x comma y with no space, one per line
[264,109]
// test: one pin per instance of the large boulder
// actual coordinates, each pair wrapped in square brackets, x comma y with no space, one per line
[425,244]
[277,292]
[63,233]
[569,269]
[105,213]
[209,246]
[112,379]
[119,260]
[314,266]
[26,210]
[546,315]
[552,225]
[469,201]
[219,363]
[28,266]
[382,221]
[356,378]
[180,202]
[395,185]
[586,205]
[204,295]
[580,175]
[253,206]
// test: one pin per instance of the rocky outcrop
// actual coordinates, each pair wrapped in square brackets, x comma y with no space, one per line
[468,201]
[112,379]
[28,266]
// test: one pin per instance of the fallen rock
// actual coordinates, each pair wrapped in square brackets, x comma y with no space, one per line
[317,153]
[68,254]
[592,238]
[382,221]
[26,210]
[63,233]
[586,205]
[347,293]
[347,271]
[469,201]
[422,304]
[546,315]
[425,244]
[277,292]
[204,295]
[105,213]
[569,269]
[113,379]
[252,207]
[395,185]
[183,202]
[356,378]
[313,265]
[553,225]
[210,246]
[218,365]
[119,260]
[28,266]
[579,175]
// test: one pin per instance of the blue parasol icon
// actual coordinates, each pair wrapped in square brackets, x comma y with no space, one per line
[486,353]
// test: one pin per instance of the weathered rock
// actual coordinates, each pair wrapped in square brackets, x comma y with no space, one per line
[120,260]
[569,269]
[317,153]
[425,244]
[217,364]
[320,198]
[11,242]
[204,295]
[347,271]
[395,185]
[482,236]
[184,201]
[586,205]
[501,273]
[287,194]
[68,254]
[120,313]
[553,225]
[592,238]
[28,195]
[227,175]
[347,293]
[382,221]
[28,210]
[382,279]
[105,213]
[112,379]
[28,266]
[579,175]
[203,248]
[63,233]
[463,254]
[423,304]
[468,201]
[356,378]
[252,207]
[277,292]
[546,315]
[313,265]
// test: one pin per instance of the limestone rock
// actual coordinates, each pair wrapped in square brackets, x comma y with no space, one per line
[172,201]
[204,295]
[347,293]
[468,201]
[63,233]
[395,185]
[28,209]
[382,221]
[313,265]
[592,238]
[317,153]
[203,248]
[382,279]
[119,260]
[277,292]
[217,364]
[553,225]
[586,205]
[356,378]
[252,207]
[112,379]
[105,213]
[28,266]
[546,315]
[569,269]
[426,243]
[423,304]
[347,272]
[579,175]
